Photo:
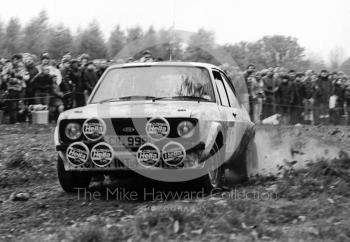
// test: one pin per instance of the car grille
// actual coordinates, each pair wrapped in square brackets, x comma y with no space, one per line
[138,125]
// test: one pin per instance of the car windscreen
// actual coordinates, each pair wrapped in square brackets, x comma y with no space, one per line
[155,81]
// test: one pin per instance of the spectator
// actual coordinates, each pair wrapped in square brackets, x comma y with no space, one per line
[258,97]
[84,59]
[14,85]
[339,92]
[297,98]
[347,98]
[56,104]
[284,95]
[292,75]
[146,56]
[249,71]
[75,75]
[333,77]
[270,89]
[250,80]
[16,59]
[43,86]
[66,86]
[32,71]
[45,61]
[54,71]
[101,69]
[21,70]
[308,95]
[322,95]
[90,79]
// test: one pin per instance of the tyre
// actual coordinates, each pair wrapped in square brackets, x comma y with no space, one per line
[70,181]
[239,172]
[216,172]
[244,164]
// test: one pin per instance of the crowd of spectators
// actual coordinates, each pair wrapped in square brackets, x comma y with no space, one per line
[298,97]
[57,85]
[26,82]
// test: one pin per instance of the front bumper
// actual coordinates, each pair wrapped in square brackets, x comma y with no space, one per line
[126,160]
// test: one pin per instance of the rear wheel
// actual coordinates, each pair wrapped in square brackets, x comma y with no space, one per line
[70,181]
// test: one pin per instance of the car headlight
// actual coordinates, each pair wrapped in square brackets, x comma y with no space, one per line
[73,131]
[185,129]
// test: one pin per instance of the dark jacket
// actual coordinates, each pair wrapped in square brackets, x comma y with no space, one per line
[75,76]
[14,81]
[323,90]
[347,90]
[297,93]
[339,88]
[100,72]
[284,93]
[43,83]
[90,79]
[66,84]
[32,71]
[269,85]
[308,89]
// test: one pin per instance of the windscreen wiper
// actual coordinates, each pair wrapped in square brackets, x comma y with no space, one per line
[127,98]
[110,100]
[182,97]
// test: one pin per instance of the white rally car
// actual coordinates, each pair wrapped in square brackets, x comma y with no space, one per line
[168,121]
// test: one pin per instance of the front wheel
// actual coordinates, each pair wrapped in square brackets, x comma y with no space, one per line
[215,178]
[71,181]
[245,164]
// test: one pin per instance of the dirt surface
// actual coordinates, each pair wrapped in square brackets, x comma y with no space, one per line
[310,203]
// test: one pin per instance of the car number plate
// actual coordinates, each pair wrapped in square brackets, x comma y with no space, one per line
[132,141]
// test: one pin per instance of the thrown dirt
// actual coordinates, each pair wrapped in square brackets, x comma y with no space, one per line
[281,145]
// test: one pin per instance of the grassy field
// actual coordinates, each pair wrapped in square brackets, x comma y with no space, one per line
[307,204]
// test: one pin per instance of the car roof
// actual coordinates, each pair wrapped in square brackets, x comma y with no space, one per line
[164,63]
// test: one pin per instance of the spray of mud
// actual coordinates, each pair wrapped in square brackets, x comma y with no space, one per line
[280,147]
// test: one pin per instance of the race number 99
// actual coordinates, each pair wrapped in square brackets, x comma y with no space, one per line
[135,141]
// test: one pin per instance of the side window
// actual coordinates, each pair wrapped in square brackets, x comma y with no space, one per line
[221,89]
[231,94]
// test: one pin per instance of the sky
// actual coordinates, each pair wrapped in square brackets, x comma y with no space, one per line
[319,25]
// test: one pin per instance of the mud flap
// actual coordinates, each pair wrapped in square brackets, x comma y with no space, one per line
[252,157]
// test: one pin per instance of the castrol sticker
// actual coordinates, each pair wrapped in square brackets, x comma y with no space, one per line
[157,128]
[101,154]
[148,155]
[77,154]
[173,154]
[94,129]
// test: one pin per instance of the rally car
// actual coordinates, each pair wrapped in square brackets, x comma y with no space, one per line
[167,121]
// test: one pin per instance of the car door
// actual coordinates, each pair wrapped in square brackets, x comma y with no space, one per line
[234,116]
[228,115]
[241,116]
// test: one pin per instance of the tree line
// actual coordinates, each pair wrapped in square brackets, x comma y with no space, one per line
[38,36]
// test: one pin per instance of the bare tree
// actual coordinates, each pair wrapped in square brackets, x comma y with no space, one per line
[336,57]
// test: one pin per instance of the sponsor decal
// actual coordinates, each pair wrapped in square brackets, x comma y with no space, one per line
[94,129]
[77,153]
[128,129]
[101,154]
[158,128]
[173,154]
[148,155]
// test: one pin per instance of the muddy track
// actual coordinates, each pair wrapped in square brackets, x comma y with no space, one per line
[301,208]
